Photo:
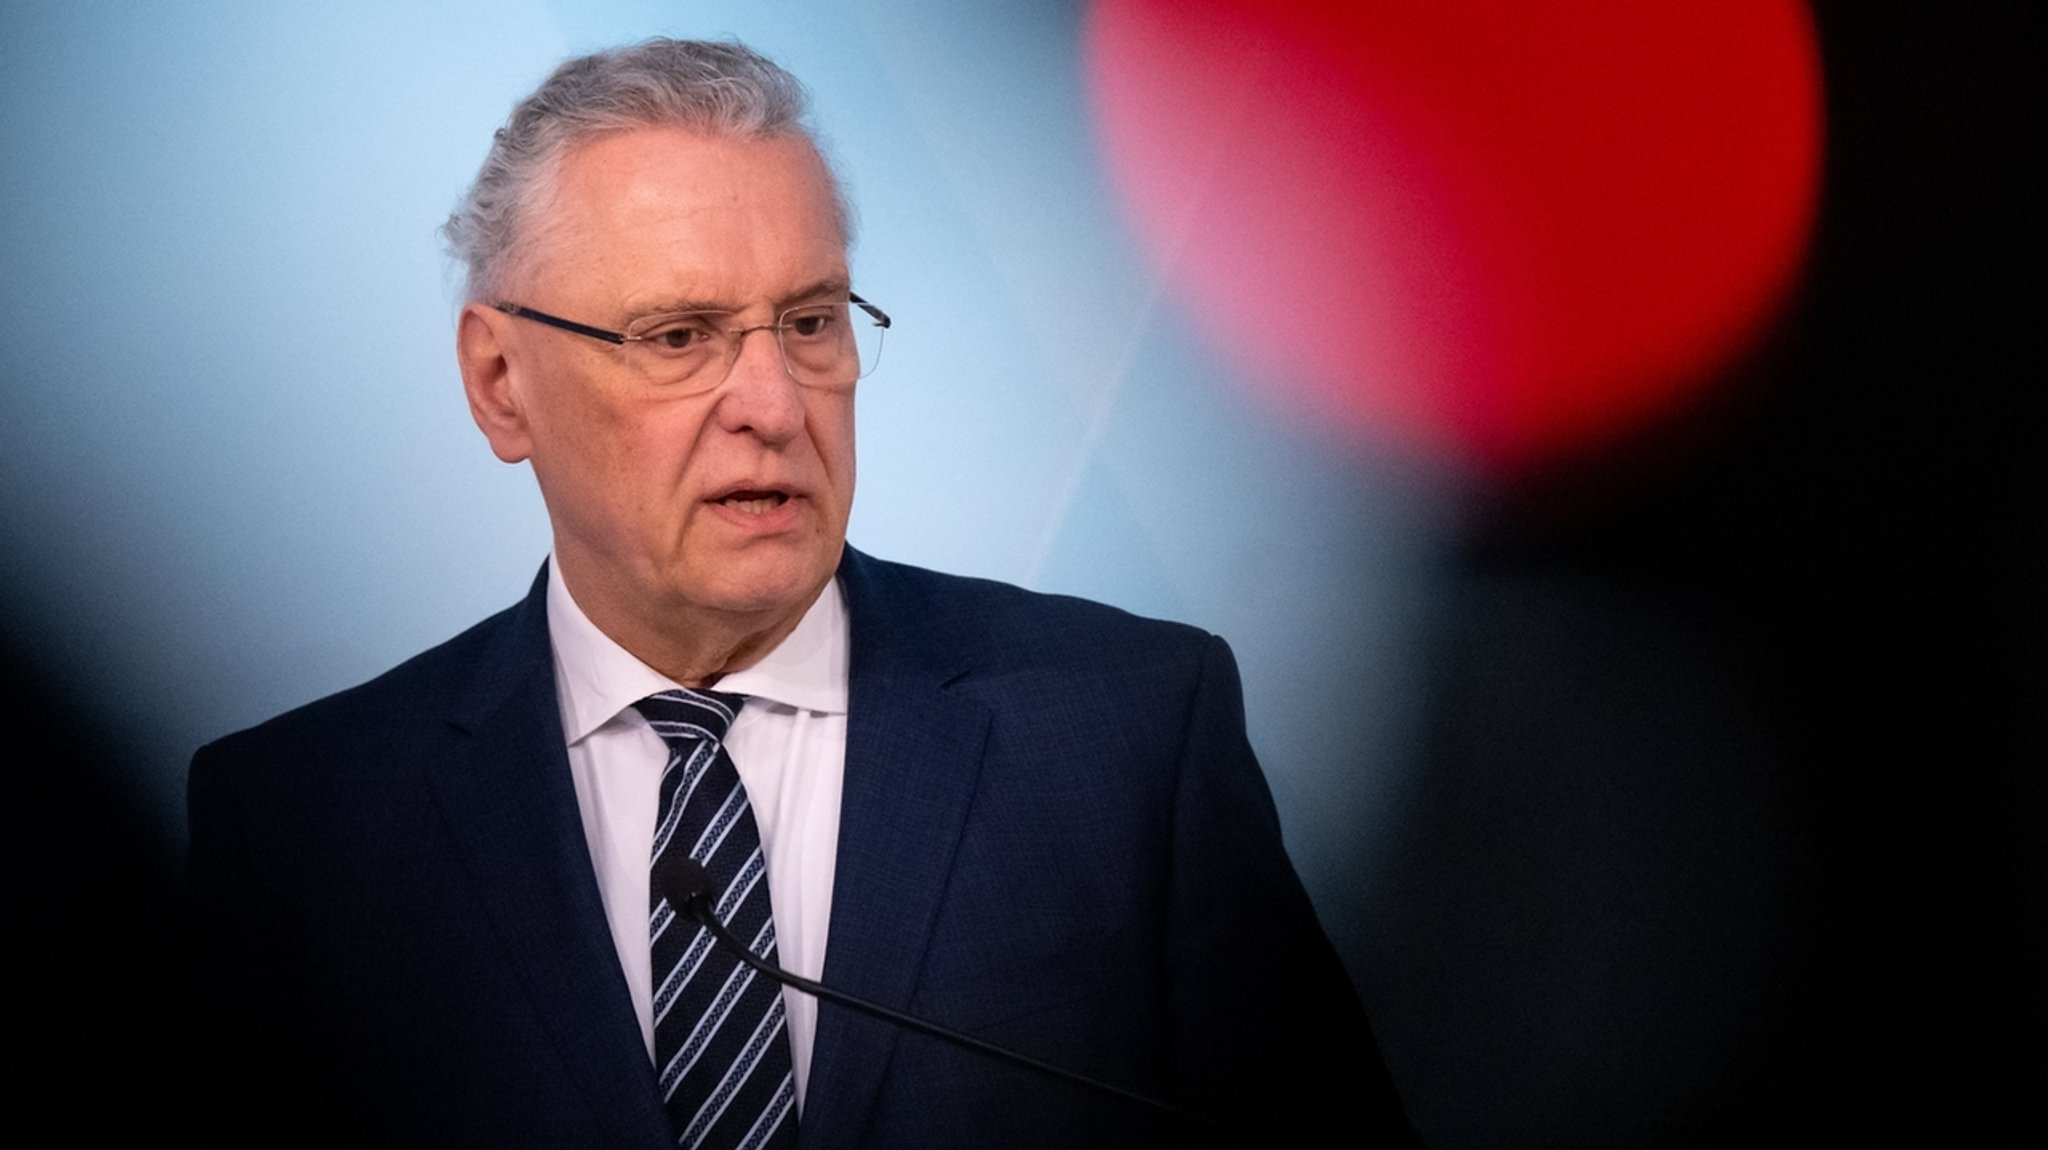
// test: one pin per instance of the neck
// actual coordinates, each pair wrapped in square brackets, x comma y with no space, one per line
[704,663]
[693,646]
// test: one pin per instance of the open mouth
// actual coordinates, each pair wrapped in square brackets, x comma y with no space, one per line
[754,502]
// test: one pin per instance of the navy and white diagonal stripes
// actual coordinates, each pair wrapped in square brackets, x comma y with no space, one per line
[721,1049]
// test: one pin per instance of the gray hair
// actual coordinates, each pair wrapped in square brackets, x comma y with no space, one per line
[718,89]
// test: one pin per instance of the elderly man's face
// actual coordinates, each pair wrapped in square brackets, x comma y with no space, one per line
[666,507]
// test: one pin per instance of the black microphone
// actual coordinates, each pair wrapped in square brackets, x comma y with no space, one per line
[685,879]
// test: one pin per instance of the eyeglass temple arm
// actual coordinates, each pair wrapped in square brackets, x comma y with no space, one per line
[880,317]
[558,321]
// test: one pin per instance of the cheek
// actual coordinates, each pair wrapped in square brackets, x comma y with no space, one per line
[604,455]
[830,418]
[832,431]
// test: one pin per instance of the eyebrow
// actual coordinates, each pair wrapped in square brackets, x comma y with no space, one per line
[831,286]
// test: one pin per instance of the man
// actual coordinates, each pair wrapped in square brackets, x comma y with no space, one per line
[444,906]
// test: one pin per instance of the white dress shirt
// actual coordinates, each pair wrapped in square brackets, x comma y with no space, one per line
[789,745]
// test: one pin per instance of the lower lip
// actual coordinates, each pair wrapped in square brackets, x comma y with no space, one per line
[774,520]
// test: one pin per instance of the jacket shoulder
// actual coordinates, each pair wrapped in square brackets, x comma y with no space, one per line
[394,707]
[1000,625]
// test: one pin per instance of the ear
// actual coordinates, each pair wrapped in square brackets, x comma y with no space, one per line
[481,349]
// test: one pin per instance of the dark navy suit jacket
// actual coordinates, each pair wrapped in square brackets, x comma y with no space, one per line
[1054,835]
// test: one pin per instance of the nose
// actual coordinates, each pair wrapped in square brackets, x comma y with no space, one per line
[758,396]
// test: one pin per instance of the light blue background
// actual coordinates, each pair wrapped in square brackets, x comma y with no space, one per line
[237,473]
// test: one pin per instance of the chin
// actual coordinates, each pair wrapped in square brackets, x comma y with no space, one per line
[768,593]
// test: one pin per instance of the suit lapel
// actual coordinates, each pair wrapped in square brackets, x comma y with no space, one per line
[511,810]
[913,758]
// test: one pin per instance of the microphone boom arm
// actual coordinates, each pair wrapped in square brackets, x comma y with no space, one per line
[697,904]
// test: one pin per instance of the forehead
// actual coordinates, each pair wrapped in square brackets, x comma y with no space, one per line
[660,216]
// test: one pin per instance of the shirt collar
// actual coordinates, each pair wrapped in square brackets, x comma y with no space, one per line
[596,679]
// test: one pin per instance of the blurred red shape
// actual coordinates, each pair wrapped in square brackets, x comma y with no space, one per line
[1500,232]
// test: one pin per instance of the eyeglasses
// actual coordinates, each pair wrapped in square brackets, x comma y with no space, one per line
[824,345]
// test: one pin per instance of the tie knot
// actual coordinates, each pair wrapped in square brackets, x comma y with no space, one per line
[686,717]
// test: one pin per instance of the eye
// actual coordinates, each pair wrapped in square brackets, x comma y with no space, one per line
[679,335]
[812,323]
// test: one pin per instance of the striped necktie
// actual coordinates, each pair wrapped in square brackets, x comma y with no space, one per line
[721,1053]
